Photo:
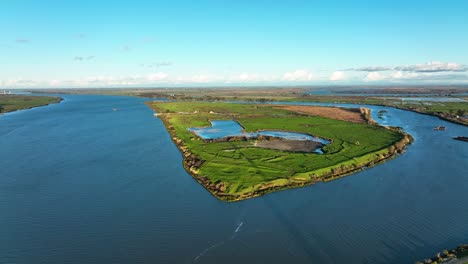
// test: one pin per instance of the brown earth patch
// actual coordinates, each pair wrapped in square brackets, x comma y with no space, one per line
[351,115]
[289,145]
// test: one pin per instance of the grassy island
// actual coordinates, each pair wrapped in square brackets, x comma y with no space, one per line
[238,168]
[10,103]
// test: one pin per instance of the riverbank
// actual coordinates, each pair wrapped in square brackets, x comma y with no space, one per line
[11,103]
[459,255]
[453,112]
[379,96]
[234,171]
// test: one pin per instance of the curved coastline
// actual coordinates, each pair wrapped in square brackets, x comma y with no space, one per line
[192,163]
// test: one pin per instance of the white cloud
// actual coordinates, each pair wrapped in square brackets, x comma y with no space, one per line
[201,78]
[433,66]
[160,78]
[337,76]
[55,83]
[298,75]
[373,76]
[402,76]
[244,77]
[156,76]
[249,78]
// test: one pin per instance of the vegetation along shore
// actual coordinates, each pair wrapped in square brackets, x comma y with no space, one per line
[10,102]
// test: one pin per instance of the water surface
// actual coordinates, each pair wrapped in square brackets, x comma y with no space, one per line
[81,183]
[230,128]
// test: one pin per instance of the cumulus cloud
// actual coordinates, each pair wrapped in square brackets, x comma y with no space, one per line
[245,77]
[337,76]
[156,76]
[55,83]
[202,78]
[250,78]
[298,75]
[163,78]
[373,76]
[402,76]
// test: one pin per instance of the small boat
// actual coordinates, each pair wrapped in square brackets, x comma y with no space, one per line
[461,138]
[439,128]
[115,109]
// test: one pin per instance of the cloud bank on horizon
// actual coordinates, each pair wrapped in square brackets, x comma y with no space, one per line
[144,43]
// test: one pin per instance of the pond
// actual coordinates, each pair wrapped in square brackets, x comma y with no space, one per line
[230,128]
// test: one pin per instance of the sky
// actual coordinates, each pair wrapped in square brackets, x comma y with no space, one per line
[68,44]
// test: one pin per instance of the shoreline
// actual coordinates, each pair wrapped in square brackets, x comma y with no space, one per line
[191,163]
[457,255]
[58,100]
[451,120]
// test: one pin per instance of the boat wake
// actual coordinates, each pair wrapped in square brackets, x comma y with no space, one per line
[238,228]
[206,250]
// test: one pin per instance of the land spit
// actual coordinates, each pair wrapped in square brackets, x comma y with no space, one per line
[192,163]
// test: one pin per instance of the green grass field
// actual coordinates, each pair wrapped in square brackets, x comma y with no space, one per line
[244,168]
[9,103]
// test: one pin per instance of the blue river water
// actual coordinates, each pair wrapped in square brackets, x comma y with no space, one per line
[82,183]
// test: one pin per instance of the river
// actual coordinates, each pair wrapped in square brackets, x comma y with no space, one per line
[97,179]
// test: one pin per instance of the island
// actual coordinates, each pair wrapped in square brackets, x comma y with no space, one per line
[12,102]
[239,151]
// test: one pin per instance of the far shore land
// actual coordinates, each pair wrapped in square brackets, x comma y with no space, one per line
[229,188]
[455,112]
[11,103]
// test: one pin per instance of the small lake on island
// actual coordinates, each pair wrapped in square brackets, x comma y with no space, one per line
[230,128]
[82,183]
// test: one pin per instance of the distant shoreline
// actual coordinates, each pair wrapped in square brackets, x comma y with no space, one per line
[12,103]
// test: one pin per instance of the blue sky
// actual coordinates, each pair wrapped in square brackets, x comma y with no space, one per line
[203,43]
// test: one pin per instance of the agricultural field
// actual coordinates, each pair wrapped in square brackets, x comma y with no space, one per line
[239,169]
[9,103]
[451,111]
